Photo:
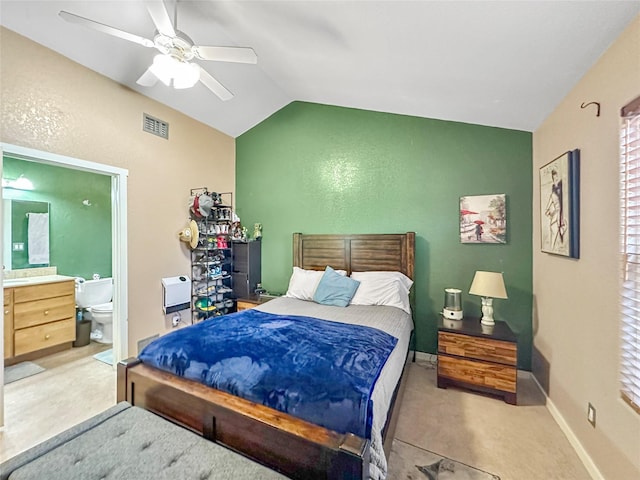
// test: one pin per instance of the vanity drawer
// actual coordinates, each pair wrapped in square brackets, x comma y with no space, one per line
[8,326]
[47,310]
[8,296]
[46,290]
[43,336]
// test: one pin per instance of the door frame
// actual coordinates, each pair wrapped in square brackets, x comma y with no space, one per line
[118,244]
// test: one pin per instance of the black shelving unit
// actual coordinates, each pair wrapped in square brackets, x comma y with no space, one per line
[212,258]
[247,269]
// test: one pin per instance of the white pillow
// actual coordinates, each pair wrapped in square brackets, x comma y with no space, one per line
[384,276]
[303,283]
[389,290]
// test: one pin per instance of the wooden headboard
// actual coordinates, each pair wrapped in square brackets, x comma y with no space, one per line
[356,253]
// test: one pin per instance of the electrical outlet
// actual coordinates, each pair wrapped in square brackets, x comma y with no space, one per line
[591,415]
[175,320]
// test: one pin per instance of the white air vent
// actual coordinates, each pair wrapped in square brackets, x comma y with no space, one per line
[155,126]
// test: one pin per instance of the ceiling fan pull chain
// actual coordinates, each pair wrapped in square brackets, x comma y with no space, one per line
[175,16]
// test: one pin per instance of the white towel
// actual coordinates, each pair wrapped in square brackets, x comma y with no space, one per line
[38,238]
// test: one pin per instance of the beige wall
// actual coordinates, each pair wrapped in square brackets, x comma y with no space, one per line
[576,320]
[50,103]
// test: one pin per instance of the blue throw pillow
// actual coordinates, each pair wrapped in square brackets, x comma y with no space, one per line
[335,289]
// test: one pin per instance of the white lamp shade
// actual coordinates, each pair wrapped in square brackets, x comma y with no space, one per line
[488,284]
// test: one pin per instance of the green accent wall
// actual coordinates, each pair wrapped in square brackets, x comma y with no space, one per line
[79,235]
[321,169]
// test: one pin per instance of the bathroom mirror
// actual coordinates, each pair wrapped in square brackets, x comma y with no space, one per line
[18,221]
[80,216]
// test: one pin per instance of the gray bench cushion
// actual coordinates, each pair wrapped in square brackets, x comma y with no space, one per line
[136,444]
[8,466]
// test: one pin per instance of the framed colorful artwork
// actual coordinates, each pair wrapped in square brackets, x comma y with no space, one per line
[560,205]
[483,219]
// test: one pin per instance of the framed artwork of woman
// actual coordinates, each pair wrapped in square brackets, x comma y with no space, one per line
[560,205]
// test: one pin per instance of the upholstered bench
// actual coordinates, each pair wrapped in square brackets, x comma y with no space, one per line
[128,442]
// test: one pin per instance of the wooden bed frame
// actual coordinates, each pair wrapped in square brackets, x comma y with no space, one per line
[289,445]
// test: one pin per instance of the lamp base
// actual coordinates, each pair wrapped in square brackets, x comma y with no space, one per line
[487,312]
[487,329]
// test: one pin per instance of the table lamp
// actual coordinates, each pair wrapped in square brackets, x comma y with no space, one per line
[488,285]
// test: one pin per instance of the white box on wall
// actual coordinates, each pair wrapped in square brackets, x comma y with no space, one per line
[176,294]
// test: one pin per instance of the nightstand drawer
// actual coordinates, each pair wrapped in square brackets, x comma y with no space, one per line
[250,302]
[478,348]
[483,374]
[245,305]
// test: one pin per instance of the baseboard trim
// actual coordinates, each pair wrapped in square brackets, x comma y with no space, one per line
[573,440]
[585,458]
[426,357]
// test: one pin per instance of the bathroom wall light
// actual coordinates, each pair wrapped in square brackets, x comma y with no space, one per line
[20,183]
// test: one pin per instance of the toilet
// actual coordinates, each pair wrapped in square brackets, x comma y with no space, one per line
[95,297]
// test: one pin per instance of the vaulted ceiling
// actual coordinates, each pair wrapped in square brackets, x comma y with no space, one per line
[499,63]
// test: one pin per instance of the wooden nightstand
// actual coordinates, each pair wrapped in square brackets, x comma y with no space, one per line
[254,301]
[472,356]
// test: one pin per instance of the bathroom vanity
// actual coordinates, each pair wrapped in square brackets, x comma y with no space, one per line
[39,314]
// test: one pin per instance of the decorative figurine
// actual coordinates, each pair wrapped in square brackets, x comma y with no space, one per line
[257,231]
[236,231]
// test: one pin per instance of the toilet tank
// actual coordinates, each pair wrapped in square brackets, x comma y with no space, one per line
[93,292]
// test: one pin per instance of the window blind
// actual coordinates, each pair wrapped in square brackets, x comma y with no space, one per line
[630,218]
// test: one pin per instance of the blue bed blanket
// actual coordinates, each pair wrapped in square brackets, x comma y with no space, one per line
[317,370]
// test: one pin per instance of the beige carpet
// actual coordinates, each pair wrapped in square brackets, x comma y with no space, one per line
[408,462]
[514,442]
[520,442]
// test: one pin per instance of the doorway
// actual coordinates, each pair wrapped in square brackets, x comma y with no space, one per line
[118,241]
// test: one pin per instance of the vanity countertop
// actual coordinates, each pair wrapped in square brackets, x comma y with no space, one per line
[26,281]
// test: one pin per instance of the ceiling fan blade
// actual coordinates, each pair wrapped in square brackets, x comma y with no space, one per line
[148,79]
[214,85]
[72,18]
[160,17]
[226,54]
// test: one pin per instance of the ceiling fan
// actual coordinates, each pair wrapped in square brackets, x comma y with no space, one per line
[173,65]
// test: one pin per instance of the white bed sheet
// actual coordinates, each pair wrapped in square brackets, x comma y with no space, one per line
[391,320]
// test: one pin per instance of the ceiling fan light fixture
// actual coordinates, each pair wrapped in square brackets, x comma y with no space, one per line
[173,66]
[163,67]
[186,75]
[172,71]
